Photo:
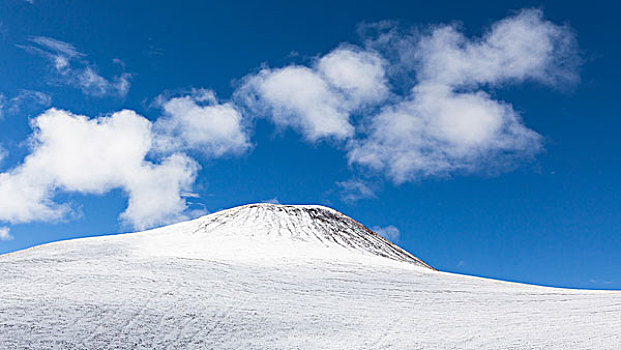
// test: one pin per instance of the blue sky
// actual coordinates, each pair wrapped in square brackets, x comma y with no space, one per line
[481,136]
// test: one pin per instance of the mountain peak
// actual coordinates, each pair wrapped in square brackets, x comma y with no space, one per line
[314,224]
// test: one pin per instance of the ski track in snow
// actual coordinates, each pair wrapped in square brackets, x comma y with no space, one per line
[278,277]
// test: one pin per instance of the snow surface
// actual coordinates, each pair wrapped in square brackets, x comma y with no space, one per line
[267,276]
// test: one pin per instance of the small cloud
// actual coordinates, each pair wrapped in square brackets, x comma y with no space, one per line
[71,68]
[461,263]
[389,232]
[60,48]
[197,121]
[195,210]
[271,201]
[5,234]
[594,281]
[190,195]
[354,190]
[25,101]
[119,62]
[153,49]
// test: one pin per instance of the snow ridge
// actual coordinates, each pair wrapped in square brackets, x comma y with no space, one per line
[303,223]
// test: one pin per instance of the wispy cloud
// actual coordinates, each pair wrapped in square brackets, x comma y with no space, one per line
[354,190]
[389,232]
[271,201]
[25,101]
[600,282]
[72,68]
[3,154]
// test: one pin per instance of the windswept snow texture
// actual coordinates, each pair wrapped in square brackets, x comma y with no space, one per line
[267,276]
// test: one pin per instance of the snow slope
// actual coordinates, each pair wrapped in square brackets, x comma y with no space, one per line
[266,276]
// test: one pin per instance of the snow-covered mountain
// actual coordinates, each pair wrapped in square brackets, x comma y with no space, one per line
[266,276]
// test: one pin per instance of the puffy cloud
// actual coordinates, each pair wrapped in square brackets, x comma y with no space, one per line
[154,192]
[389,232]
[517,48]
[318,101]
[297,97]
[419,98]
[358,74]
[72,153]
[5,234]
[438,131]
[73,69]
[198,122]
[447,123]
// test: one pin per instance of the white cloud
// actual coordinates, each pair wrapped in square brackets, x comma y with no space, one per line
[297,97]
[57,47]
[73,69]
[318,101]
[91,83]
[448,123]
[354,190]
[5,234]
[517,48]
[438,131]
[198,122]
[358,74]
[389,232]
[72,153]
[444,122]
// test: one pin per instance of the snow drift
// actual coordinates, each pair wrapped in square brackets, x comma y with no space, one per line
[279,277]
